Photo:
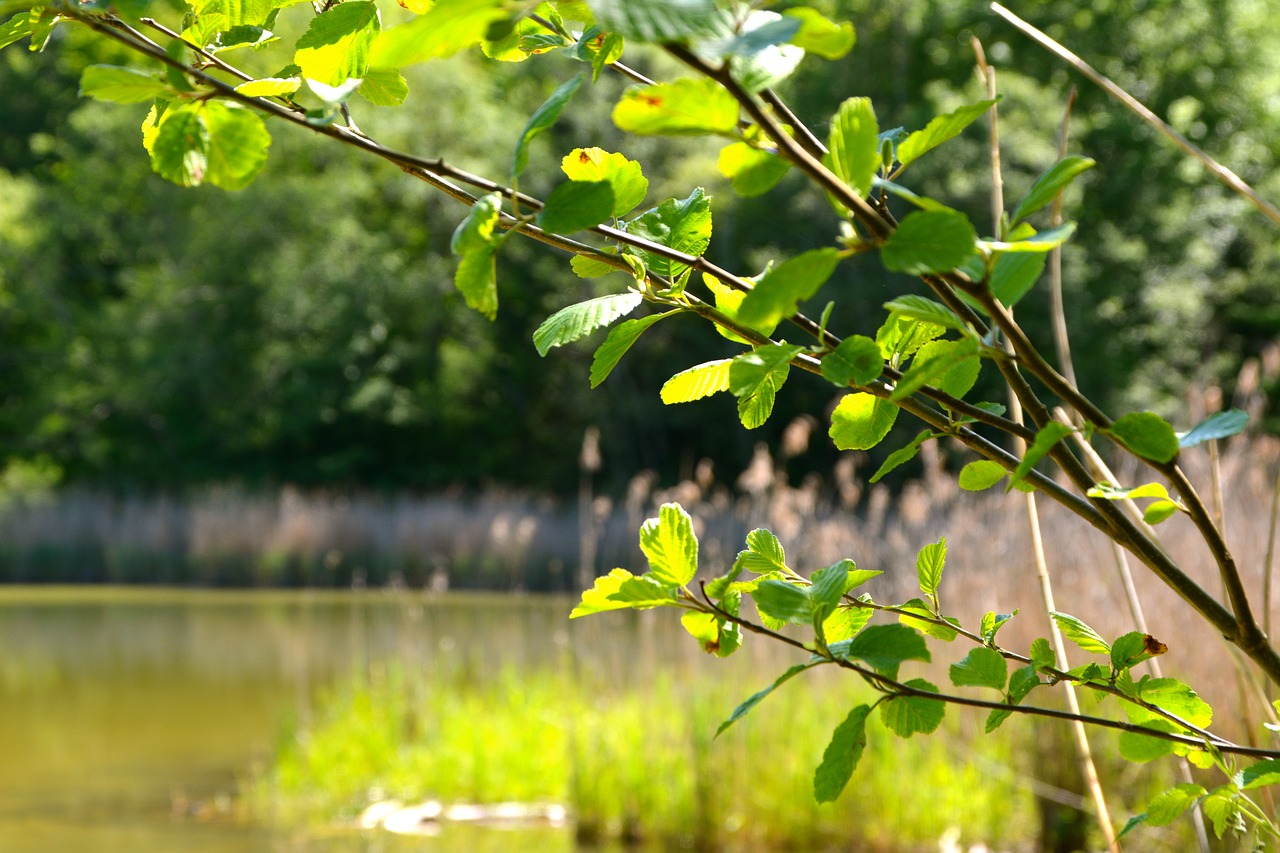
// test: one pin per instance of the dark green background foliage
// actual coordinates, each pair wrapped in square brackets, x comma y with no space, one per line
[306,329]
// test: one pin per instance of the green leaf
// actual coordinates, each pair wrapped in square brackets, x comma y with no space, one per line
[238,143]
[384,87]
[270,87]
[778,294]
[847,621]
[1147,435]
[756,698]
[1160,511]
[656,20]
[1167,807]
[755,378]
[1216,426]
[827,586]
[1080,634]
[950,366]
[577,321]
[1133,648]
[841,756]
[930,562]
[821,36]
[784,602]
[764,553]
[884,648]
[929,241]
[16,28]
[1037,242]
[476,231]
[1021,683]
[856,360]
[909,715]
[703,627]
[684,107]
[1173,696]
[922,308]
[598,600]
[1109,492]
[854,144]
[1141,749]
[920,616]
[683,225]
[1049,184]
[861,421]
[900,336]
[982,667]
[901,456]
[120,85]
[982,474]
[477,280]
[542,119]
[703,380]
[643,592]
[751,172]
[620,339]
[1222,807]
[992,622]
[589,266]
[1046,438]
[1261,774]
[336,45]
[759,56]
[180,151]
[670,545]
[446,28]
[1042,656]
[624,176]
[939,130]
[575,205]
[1014,275]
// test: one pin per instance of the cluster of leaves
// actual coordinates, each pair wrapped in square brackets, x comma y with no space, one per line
[835,622]
[924,359]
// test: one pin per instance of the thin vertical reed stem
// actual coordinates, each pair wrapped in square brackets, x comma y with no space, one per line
[1268,565]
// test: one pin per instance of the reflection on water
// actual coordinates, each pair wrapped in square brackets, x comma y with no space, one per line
[128,716]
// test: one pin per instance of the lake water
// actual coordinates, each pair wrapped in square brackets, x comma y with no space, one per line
[128,717]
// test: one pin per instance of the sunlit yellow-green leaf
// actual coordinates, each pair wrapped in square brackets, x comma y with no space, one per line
[335,47]
[684,107]
[697,382]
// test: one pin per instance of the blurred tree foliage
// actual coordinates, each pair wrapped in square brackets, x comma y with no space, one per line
[306,330]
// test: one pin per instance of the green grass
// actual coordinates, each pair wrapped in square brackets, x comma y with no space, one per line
[640,763]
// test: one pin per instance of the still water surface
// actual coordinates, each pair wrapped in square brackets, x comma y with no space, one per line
[128,717]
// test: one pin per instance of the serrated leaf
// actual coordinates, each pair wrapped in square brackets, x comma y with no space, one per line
[18,27]
[576,205]
[577,321]
[1081,634]
[764,553]
[982,474]
[1141,749]
[588,266]
[1173,696]
[777,295]
[1021,683]
[542,119]
[856,360]
[884,648]
[1222,807]
[1133,648]
[755,699]
[751,172]
[821,36]
[680,224]
[685,107]
[120,85]
[847,621]
[861,421]
[992,622]
[899,336]
[657,20]
[447,27]
[620,339]
[854,145]
[901,456]
[1049,184]
[384,87]
[180,150]
[950,366]
[750,370]
[982,667]
[916,307]
[1216,426]
[700,381]
[1041,655]
[1170,805]
[1147,435]
[1014,274]
[477,280]
[827,585]
[671,547]
[920,616]
[336,45]
[909,715]
[841,756]
[1046,438]
[270,87]
[930,562]
[783,602]
[597,599]
[238,143]
[939,130]
[642,593]
[929,241]
[625,176]
[1261,774]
